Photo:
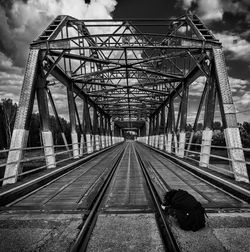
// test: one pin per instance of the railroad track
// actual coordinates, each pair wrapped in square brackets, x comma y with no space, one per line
[124,185]
[107,201]
[169,175]
[71,190]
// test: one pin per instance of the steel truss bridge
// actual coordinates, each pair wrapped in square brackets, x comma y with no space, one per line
[126,75]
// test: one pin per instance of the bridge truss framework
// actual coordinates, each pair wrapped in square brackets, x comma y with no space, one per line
[128,75]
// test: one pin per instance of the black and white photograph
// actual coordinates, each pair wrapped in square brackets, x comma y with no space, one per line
[124,125]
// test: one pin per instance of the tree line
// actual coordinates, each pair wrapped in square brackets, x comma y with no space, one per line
[8,111]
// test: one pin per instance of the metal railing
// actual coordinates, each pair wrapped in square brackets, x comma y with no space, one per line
[33,154]
[194,156]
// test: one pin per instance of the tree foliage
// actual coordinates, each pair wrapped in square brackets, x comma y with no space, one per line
[7,119]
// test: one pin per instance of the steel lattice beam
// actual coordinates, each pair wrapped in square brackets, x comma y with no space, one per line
[111,62]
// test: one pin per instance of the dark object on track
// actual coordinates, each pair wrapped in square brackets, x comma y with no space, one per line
[188,211]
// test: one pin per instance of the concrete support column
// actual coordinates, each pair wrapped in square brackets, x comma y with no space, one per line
[102,141]
[231,131]
[161,142]
[182,143]
[206,147]
[89,143]
[169,143]
[20,132]
[82,145]
[97,142]
[48,149]
[18,141]
[75,145]
[232,136]
[156,141]
[176,144]
[165,142]
[106,140]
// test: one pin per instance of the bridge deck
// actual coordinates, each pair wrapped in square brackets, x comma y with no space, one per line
[75,193]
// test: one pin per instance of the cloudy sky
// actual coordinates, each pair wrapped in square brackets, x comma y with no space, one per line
[21,21]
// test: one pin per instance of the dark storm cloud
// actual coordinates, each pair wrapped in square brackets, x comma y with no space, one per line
[7,45]
[236,6]
[10,43]
[214,10]
[21,21]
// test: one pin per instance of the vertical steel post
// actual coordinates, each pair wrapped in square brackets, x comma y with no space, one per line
[83,142]
[197,116]
[207,133]
[110,136]
[21,129]
[165,128]
[96,130]
[144,132]
[231,132]
[149,131]
[161,129]
[80,146]
[72,118]
[106,132]
[88,127]
[116,133]
[58,121]
[170,123]
[102,133]
[183,122]
[46,133]
[153,130]
[121,135]
[156,131]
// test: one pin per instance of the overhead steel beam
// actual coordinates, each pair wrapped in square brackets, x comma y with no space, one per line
[65,80]
[192,76]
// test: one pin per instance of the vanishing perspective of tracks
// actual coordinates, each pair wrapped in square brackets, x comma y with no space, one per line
[129,179]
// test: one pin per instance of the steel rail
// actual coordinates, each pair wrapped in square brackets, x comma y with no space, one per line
[190,185]
[231,194]
[209,166]
[42,158]
[86,230]
[167,236]
[20,190]
[228,186]
[56,179]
